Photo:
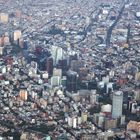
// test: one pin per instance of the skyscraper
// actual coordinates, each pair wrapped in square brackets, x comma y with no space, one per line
[57,54]
[17,35]
[117,104]
[71,83]
[49,65]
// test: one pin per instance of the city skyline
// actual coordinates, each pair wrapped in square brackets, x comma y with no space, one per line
[70,70]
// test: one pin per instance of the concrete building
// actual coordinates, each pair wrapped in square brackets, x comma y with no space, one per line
[55,80]
[4,17]
[23,95]
[93,97]
[57,54]
[117,104]
[17,35]
[110,123]
[134,125]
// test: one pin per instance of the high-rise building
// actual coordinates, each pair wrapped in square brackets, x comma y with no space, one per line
[1,50]
[74,122]
[117,104]
[23,95]
[109,87]
[70,121]
[49,65]
[1,41]
[71,83]
[93,97]
[17,35]
[84,116]
[57,54]
[55,80]
[62,64]
[137,76]
[137,94]
[4,17]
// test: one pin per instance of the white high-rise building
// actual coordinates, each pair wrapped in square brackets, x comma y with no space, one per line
[109,86]
[93,97]
[70,121]
[74,122]
[1,50]
[17,35]
[57,53]
[4,17]
[117,104]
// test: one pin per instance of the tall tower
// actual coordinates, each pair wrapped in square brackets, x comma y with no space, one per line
[71,83]
[57,54]
[117,104]
[49,65]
